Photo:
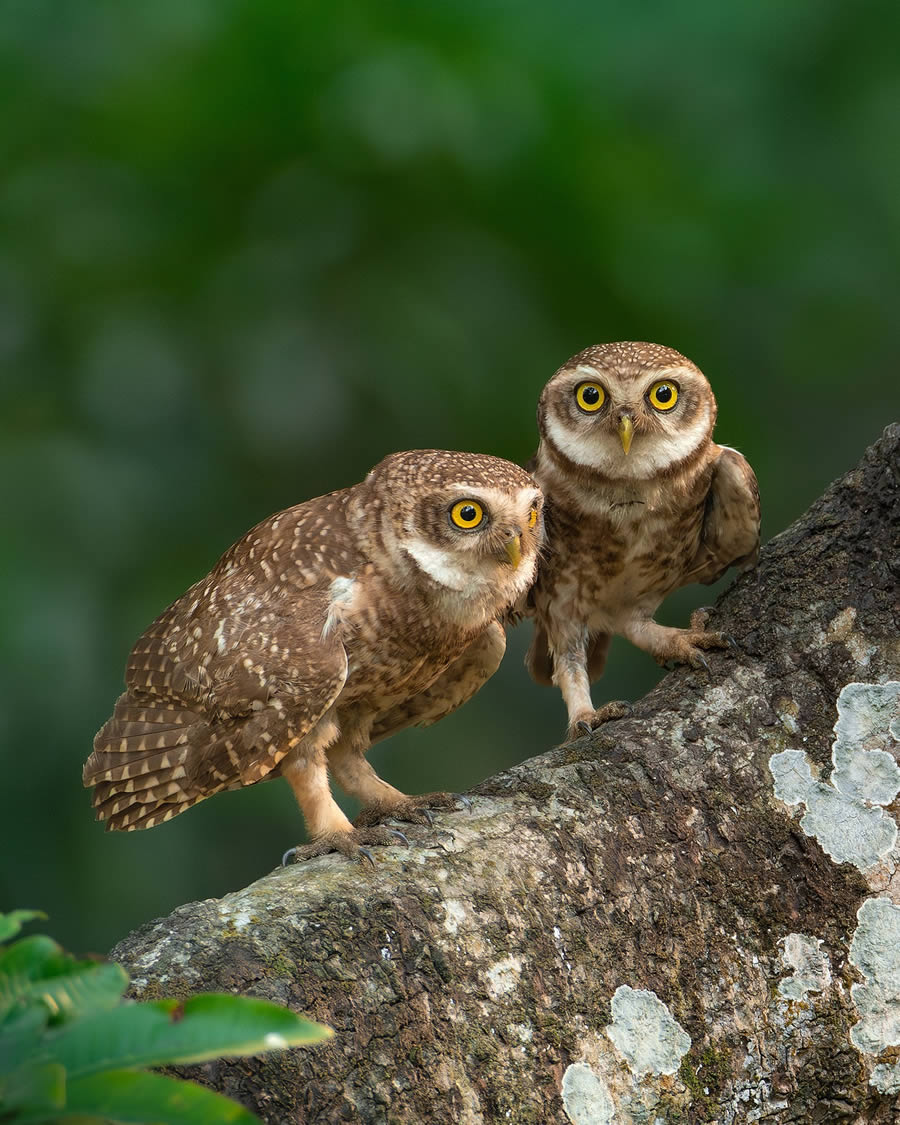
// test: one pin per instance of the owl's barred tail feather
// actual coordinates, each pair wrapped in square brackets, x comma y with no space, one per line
[139,764]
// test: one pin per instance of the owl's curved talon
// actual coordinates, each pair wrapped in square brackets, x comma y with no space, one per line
[463,800]
[731,642]
[364,853]
[290,852]
[428,816]
[588,722]
[401,836]
[701,659]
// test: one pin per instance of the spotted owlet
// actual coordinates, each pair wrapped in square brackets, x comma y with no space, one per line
[327,628]
[639,500]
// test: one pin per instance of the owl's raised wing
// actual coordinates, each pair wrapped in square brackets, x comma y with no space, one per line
[217,714]
[730,535]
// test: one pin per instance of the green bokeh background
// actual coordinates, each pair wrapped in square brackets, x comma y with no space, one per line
[248,247]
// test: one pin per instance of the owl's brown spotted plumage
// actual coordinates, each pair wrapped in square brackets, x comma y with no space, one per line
[639,500]
[326,628]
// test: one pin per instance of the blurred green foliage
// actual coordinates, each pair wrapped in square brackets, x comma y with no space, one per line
[71,1049]
[248,247]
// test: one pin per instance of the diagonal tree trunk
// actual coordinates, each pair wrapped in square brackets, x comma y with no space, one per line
[693,915]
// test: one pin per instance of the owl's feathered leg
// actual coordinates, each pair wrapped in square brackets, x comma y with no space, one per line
[572,665]
[306,771]
[683,646]
[380,800]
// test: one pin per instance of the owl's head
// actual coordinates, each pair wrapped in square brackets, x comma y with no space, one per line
[630,411]
[464,522]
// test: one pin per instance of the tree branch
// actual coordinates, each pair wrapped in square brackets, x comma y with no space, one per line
[632,926]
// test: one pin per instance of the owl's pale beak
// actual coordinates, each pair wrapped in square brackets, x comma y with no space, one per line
[514,550]
[626,432]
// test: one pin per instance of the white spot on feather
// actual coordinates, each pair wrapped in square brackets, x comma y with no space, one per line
[342,592]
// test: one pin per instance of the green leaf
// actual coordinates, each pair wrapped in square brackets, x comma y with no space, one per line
[164,1031]
[10,924]
[33,957]
[36,1086]
[130,1097]
[36,969]
[20,1035]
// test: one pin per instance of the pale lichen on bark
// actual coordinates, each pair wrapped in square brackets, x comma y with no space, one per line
[476,982]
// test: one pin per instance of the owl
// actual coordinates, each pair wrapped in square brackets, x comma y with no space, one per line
[639,500]
[325,629]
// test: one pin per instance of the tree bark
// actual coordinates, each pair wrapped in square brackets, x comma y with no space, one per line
[633,927]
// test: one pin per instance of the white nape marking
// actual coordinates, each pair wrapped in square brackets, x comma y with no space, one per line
[443,566]
[342,592]
[875,951]
[586,1097]
[596,448]
[646,1032]
[219,636]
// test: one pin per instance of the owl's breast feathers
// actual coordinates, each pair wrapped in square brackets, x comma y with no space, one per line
[614,549]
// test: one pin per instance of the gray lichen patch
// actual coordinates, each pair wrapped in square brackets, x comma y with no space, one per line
[875,951]
[886,1078]
[864,767]
[842,629]
[646,1033]
[845,814]
[586,1097]
[811,965]
[503,976]
[848,830]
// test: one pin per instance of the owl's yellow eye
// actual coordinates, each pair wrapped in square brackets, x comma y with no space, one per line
[664,395]
[590,397]
[532,517]
[467,514]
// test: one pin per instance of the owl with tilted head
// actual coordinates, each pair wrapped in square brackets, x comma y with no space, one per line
[325,629]
[639,500]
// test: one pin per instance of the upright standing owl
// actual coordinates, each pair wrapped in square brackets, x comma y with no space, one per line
[327,628]
[639,500]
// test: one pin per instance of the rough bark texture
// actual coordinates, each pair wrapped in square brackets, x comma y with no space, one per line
[631,927]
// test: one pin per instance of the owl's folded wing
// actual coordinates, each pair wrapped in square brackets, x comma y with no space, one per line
[217,717]
[730,535]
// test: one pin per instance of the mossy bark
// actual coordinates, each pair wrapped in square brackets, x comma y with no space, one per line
[473,981]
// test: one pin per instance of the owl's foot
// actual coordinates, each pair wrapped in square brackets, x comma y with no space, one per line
[687,646]
[351,844]
[587,721]
[411,810]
